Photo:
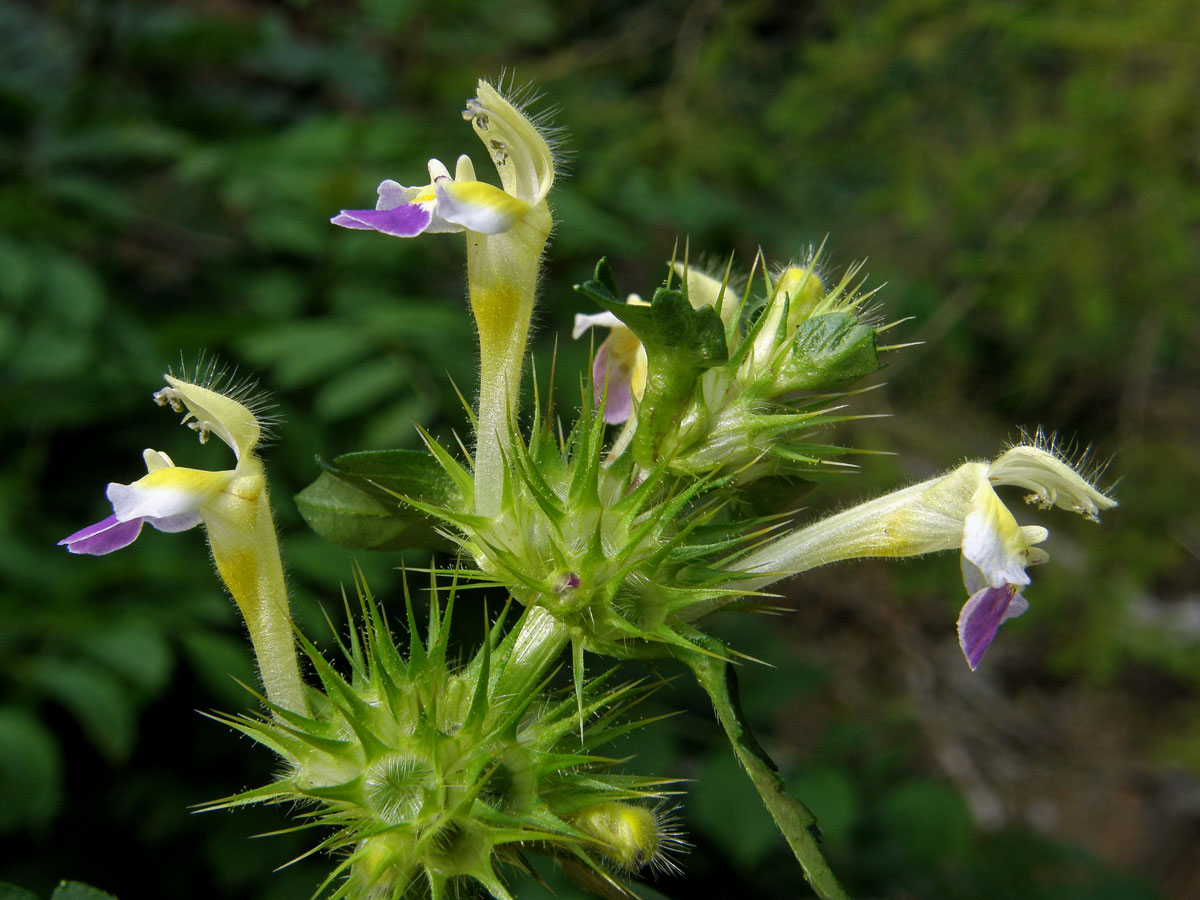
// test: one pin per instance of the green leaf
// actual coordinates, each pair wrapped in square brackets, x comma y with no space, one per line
[136,649]
[355,504]
[30,776]
[74,890]
[828,351]
[412,473]
[342,513]
[12,892]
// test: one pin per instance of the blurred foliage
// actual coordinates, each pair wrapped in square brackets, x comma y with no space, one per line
[1024,177]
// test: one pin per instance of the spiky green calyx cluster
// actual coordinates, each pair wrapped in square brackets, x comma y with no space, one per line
[627,548]
[622,558]
[432,775]
[739,384]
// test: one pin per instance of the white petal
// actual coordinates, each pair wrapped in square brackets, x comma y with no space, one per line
[1018,607]
[168,493]
[393,194]
[973,579]
[464,169]
[992,540]
[132,501]
[478,206]
[584,321]
[437,169]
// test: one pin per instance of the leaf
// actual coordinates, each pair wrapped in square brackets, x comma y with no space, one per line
[681,342]
[136,649]
[98,700]
[12,892]
[30,776]
[829,350]
[413,473]
[74,890]
[355,504]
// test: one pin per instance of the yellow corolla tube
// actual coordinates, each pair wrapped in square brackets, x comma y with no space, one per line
[506,229]
[959,510]
[502,274]
[233,506]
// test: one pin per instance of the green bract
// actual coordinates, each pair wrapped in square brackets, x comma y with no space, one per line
[431,774]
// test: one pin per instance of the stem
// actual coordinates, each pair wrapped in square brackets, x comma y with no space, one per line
[502,273]
[537,643]
[241,534]
[799,826]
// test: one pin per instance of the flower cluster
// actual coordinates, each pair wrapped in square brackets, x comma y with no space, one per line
[431,776]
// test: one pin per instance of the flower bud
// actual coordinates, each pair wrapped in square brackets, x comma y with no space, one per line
[632,836]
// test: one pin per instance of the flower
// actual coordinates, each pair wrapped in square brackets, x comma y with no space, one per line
[233,506]
[446,204]
[169,498]
[957,510]
[996,550]
[619,369]
[523,160]
[506,229]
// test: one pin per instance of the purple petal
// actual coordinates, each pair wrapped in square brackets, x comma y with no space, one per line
[982,615]
[408,220]
[611,386]
[103,537]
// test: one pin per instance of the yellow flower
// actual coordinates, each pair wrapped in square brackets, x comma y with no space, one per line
[957,510]
[232,505]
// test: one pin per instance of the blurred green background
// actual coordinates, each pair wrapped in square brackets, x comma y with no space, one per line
[1024,177]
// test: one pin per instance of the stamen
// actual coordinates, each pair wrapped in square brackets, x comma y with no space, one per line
[499,152]
[475,114]
[169,396]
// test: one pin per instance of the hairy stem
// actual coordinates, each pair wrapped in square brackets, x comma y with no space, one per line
[536,646]
[799,826]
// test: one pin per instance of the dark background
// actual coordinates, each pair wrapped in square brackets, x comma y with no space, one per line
[1025,180]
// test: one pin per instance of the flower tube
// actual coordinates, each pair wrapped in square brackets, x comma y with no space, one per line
[506,229]
[957,510]
[233,507]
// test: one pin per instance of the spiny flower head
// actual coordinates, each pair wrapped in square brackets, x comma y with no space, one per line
[739,384]
[431,775]
[619,557]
